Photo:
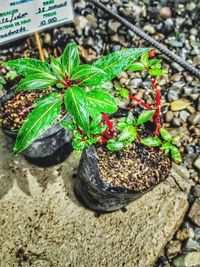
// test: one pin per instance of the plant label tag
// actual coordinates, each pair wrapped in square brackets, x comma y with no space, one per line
[19,18]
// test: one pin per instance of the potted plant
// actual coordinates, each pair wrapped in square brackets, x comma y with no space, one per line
[61,88]
[123,156]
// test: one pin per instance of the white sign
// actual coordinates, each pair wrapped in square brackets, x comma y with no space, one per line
[22,17]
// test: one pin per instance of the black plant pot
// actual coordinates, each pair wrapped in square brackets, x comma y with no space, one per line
[95,193]
[99,195]
[51,148]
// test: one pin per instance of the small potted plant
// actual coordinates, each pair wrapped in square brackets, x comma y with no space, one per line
[123,156]
[49,92]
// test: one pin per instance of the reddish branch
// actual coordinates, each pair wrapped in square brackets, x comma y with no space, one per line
[157,114]
[67,83]
[107,134]
[145,105]
[108,122]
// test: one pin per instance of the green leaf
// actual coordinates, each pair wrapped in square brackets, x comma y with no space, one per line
[38,121]
[128,133]
[37,81]
[166,147]
[77,135]
[98,129]
[70,58]
[176,154]
[156,66]
[78,145]
[2,80]
[154,61]
[124,93]
[145,116]
[57,67]
[68,124]
[130,118]
[85,71]
[165,135]
[76,105]
[144,59]
[113,64]
[136,66]
[95,121]
[114,145]
[101,102]
[121,124]
[151,141]
[91,141]
[157,72]
[29,66]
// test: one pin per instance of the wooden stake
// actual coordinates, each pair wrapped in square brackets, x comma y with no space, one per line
[37,37]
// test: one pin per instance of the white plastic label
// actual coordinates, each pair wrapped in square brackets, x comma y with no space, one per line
[19,18]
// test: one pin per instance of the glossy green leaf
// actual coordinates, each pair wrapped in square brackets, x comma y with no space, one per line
[166,147]
[68,124]
[101,101]
[144,59]
[128,133]
[176,154]
[95,121]
[76,105]
[156,66]
[57,67]
[98,129]
[39,120]
[2,80]
[165,135]
[77,135]
[91,141]
[153,62]
[78,144]
[114,145]
[121,124]
[145,116]
[113,64]
[130,119]
[29,66]
[37,81]
[151,141]
[136,66]
[70,58]
[85,71]
[157,72]
[124,93]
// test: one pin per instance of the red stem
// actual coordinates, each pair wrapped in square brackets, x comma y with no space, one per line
[108,122]
[157,114]
[145,105]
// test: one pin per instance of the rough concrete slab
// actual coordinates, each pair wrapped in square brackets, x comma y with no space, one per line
[43,225]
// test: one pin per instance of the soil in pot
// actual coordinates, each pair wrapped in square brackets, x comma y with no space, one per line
[135,168]
[53,147]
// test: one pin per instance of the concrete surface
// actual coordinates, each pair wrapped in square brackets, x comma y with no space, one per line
[43,225]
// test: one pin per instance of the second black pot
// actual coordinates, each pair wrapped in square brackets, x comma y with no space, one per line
[51,148]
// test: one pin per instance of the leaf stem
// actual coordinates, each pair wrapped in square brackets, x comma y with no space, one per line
[145,105]
[108,122]
[157,114]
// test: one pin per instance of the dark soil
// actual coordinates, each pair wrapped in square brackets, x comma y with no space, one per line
[134,168]
[14,111]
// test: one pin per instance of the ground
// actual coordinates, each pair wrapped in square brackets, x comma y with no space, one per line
[43,224]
